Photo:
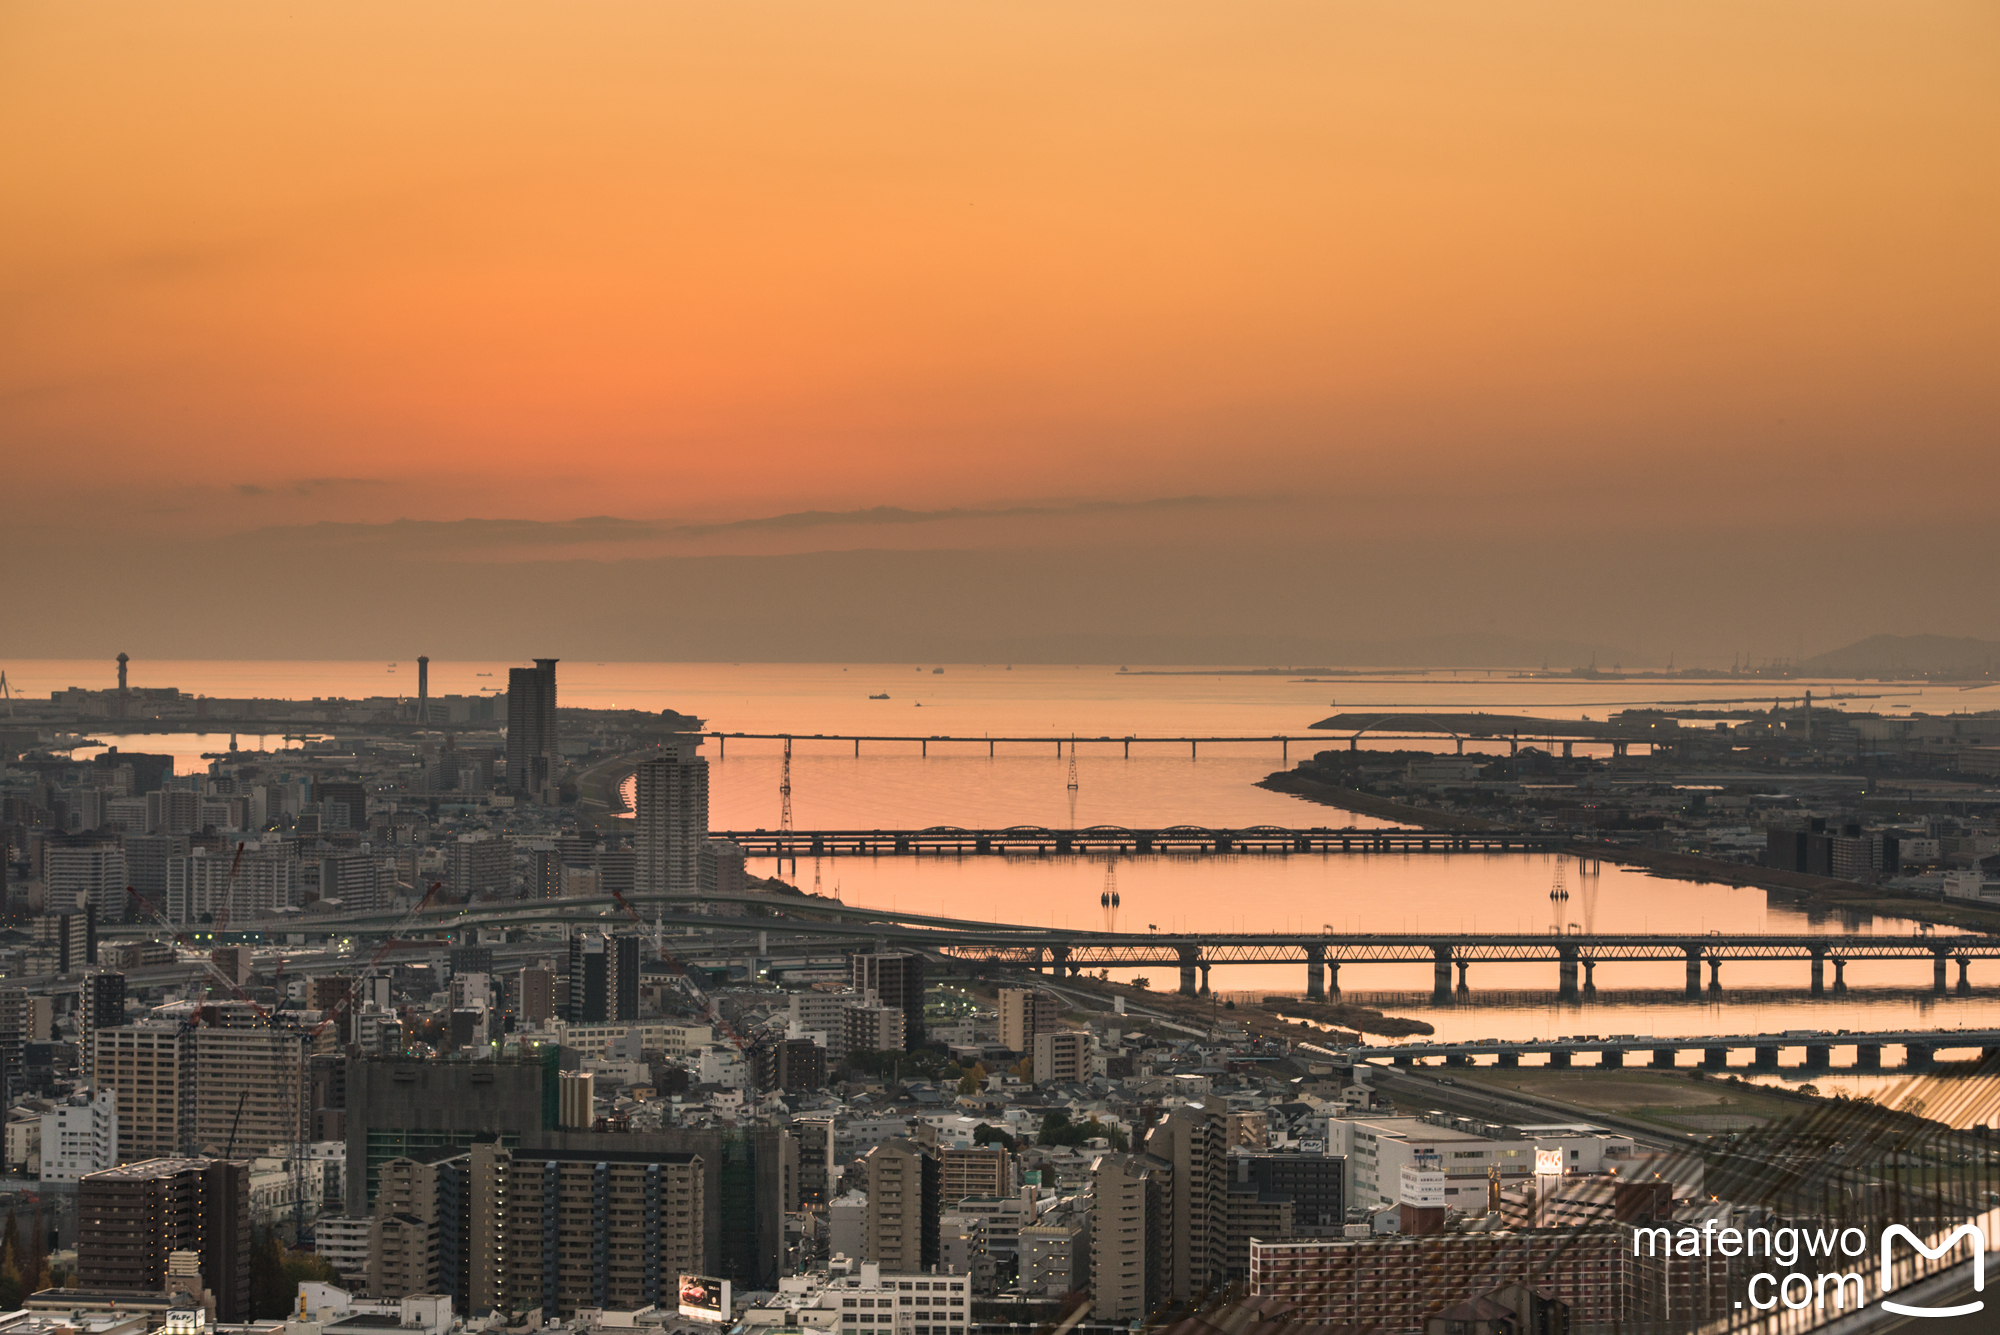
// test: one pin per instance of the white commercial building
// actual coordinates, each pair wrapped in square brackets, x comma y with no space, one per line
[1378,1149]
[80,1137]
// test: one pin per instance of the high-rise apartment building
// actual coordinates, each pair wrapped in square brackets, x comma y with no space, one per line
[102,1007]
[354,879]
[401,1108]
[1131,1236]
[896,979]
[1025,1012]
[132,1219]
[480,865]
[534,759]
[603,978]
[84,873]
[149,1066]
[1195,1143]
[986,1171]
[533,996]
[899,1231]
[1061,1056]
[258,878]
[670,819]
[70,938]
[565,1229]
[544,870]
[250,1088]
[343,804]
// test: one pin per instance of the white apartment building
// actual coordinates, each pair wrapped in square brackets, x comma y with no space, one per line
[872,1303]
[78,875]
[80,1137]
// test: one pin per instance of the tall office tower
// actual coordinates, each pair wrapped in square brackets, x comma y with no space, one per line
[1131,1236]
[103,1007]
[423,690]
[533,996]
[622,987]
[343,805]
[84,872]
[251,1088]
[562,1229]
[534,762]
[150,1066]
[897,980]
[1025,1012]
[132,1219]
[899,1231]
[545,865]
[1195,1142]
[670,819]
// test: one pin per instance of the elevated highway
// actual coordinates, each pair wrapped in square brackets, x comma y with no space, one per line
[1920,1048]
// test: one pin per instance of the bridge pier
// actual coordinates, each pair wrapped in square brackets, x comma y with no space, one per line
[1938,958]
[1663,1057]
[1464,966]
[1964,974]
[1766,1059]
[1612,1057]
[1839,974]
[1566,960]
[1819,1057]
[1059,957]
[1508,1059]
[1567,754]
[1694,970]
[1589,976]
[1315,973]
[1715,973]
[1190,960]
[1204,977]
[1868,1057]
[1457,1059]
[1128,748]
[1714,1059]
[1559,1060]
[1919,1056]
[1333,977]
[1819,971]
[1441,974]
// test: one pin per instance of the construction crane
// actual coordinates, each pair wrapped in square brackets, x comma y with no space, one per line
[241,1099]
[710,1007]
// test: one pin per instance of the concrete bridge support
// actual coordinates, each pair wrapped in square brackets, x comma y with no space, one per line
[1938,959]
[1463,967]
[1868,1057]
[1715,1059]
[1190,961]
[1441,974]
[1766,1059]
[1458,1059]
[1315,973]
[1559,1060]
[1819,1057]
[1406,1061]
[1204,977]
[1839,975]
[1663,1057]
[1566,961]
[1059,956]
[1715,973]
[1694,970]
[1508,1059]
[1333,977]
[1612,1057]
[1919,1056]
[1819,971]
[1589,976]
[1964,974]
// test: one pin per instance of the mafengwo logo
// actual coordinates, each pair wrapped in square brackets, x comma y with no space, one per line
[1831,1288]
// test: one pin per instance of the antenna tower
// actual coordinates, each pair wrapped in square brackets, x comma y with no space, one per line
[7,691]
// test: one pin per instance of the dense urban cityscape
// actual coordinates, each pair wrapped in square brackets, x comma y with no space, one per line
[413,1023]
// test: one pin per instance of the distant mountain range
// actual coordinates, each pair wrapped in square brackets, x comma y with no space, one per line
[1895,655]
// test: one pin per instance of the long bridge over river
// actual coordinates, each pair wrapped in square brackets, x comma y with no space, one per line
[1920,1048]
[955,841]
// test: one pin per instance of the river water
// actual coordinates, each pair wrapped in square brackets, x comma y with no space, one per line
[891,785]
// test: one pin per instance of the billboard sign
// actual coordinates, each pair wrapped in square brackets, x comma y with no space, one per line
[704,1299]
[1548,1163]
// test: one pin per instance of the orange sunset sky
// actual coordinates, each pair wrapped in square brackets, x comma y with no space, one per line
[1647,273]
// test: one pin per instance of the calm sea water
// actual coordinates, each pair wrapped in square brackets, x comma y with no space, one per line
[890,785]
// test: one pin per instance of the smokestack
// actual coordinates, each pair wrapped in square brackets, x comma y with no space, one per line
[423,689]
[123,659]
